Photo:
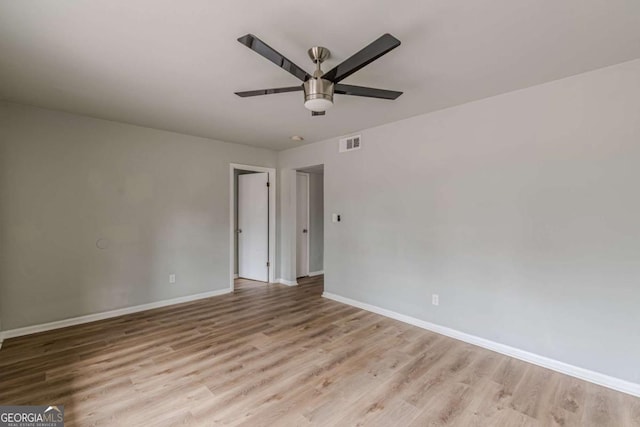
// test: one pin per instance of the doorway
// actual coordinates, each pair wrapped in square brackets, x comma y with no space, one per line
[309,228]
[252,224]
[302,224]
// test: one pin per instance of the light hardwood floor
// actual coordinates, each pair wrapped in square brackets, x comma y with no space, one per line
[272,355]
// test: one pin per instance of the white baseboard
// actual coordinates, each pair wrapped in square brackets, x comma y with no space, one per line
[316,273]
[235,276]
[555,365]
[27,330]
[287,282]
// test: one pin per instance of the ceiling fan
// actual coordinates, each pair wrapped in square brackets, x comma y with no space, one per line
[320,87]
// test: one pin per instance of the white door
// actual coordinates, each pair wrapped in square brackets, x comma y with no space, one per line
[253,226]
[302,225]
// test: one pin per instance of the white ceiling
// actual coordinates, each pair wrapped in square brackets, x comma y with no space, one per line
[175,64]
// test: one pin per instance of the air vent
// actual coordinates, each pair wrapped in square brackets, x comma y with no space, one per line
[351,143]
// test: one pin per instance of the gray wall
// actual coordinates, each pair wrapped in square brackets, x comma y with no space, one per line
[316,222]
[521,211]
[160,198]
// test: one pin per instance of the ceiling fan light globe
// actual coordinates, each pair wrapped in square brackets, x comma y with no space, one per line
[318,104]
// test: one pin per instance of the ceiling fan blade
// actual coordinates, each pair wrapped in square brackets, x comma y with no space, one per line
[373,51]
[260,47]
[268,91]
[318,113]
[369,92]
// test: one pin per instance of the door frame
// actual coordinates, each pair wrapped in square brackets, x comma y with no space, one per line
[272,218]
[308,201]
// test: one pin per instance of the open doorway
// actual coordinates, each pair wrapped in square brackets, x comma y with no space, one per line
[252,224]
[310,221]
[302,223]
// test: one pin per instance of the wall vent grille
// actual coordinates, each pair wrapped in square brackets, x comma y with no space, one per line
[350,143]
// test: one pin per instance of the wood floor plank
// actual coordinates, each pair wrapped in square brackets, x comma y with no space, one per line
[601,407]
[271,355]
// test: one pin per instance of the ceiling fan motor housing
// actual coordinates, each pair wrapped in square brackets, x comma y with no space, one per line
[318,88]
[318,92]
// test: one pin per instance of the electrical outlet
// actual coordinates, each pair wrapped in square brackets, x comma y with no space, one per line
[172,278]
[435,299]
